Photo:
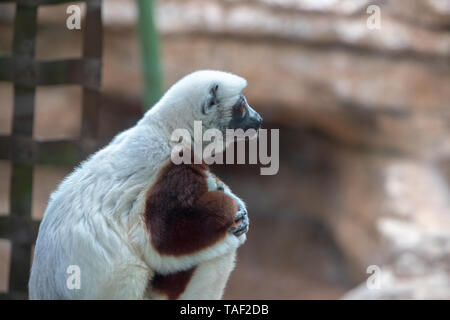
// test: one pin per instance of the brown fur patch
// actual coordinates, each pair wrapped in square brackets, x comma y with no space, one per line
[181,215]
[172,285]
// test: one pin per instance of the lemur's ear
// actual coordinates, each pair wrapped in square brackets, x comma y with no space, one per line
[212,99]
[213,90]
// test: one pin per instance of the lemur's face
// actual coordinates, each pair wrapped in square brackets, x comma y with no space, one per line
[222,111]
[243,116]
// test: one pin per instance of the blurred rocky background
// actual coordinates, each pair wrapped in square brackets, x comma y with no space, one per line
[364,119]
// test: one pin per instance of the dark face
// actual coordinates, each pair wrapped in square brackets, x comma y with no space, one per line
[244,117]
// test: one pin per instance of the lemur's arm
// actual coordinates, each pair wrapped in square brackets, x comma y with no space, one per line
[191,217]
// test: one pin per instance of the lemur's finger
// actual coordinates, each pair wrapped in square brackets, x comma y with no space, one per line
[240,214]
[242,227]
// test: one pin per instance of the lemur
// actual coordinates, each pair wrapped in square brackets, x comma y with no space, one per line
[135,224]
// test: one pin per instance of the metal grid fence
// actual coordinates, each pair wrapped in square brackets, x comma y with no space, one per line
[26,72]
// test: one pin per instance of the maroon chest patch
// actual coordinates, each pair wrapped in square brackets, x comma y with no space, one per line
[181,215]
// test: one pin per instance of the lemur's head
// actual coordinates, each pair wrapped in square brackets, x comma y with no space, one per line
[213,97]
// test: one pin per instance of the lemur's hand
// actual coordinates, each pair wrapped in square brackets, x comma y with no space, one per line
[242,221]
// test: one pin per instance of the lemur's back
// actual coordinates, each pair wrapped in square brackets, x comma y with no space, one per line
[81,226]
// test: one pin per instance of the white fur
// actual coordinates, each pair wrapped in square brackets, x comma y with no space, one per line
[94,219]
[210,277]
[208,280]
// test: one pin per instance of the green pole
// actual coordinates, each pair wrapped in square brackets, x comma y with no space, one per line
[151,65]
